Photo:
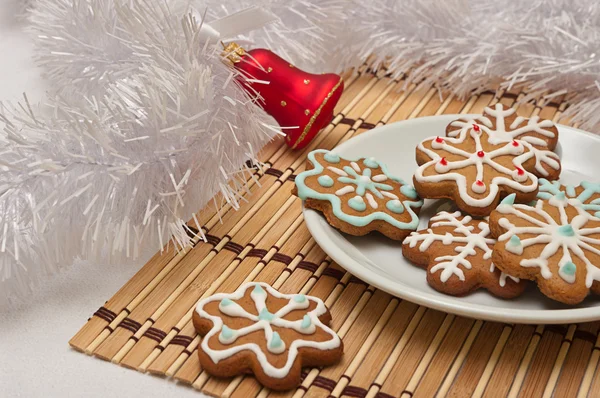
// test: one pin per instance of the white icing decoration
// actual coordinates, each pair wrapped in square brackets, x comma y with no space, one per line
[500,135]
[344,190]
[355,167]
[389,195]
[372,202]
[478,188]
[450,264]
[379,178]
[338,171]
[572,237]
[259,296]
[503,276]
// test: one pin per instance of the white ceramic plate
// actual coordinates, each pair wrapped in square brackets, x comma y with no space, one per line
[378,260]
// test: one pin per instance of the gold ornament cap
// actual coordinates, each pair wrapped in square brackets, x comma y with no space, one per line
[233,52]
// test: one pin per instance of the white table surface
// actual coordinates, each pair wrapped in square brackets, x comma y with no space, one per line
[35,358]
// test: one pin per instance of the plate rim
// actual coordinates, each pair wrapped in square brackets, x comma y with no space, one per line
[449,304]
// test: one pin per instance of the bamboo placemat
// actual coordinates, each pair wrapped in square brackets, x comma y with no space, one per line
[393,348]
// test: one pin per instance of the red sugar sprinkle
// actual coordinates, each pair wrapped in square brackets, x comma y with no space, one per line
[479,182]
[443,161]
[520,171]
[476,128]
[480,154]
[439,140]
[515,143]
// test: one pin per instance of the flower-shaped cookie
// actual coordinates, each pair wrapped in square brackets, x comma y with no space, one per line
[556,243]
[588,193]
[457,252]
[485,158]
[273,335]
[358,196]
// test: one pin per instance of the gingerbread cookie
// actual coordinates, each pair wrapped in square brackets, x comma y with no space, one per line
[270,334]
[358,196]
[456,250]
[588,193]
[486,158]
[556,243]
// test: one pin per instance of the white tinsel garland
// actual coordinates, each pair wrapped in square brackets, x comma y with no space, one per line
[144,124]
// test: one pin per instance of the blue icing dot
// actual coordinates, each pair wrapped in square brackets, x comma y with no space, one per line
[258,289]
[509,200]
[566,230]
[332,157]
[370,162]
[305,322]
[265,315]
[395,206]
[225,302]
[325,181]
[514,240]
[299,298]
[226,332]
[409,192]
[357,203]
[569,268]
[275,341]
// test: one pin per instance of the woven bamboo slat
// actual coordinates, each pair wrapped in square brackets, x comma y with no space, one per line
[393,348]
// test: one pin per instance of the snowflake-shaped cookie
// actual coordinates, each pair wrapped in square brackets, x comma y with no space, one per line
[358,196]
[588,193]
[273,335]
[457,252]
[556,243]
[485,158]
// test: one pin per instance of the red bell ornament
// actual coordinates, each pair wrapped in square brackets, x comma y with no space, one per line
[292,97]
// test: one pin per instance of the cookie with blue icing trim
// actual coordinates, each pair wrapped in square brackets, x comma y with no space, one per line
[358,196]
[259,330]
[588,193]
[555,243]
[456,251]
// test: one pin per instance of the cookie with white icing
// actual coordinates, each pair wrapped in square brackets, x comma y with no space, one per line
[358,196]
[555,243]
[588,193]
[259,330]
[483,159]
[456,250]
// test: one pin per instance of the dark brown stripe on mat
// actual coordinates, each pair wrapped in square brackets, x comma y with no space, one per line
[308,265]
[106,314]
[260,253]
[155,334]
[354,279]
[213,240]
[282,258]
[365,125]
[583,335]
[384,395]
[182,340]
[274,172]
[292,177]
[234,247]
[130,325]
[324,382]
[556,329]
[348,121]
[334,273]
[353,391]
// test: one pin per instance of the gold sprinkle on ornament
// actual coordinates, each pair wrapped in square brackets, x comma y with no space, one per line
[306,81]
[307,112]
[269,69]
[283,103]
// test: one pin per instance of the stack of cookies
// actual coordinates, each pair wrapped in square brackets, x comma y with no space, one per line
[513,222]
